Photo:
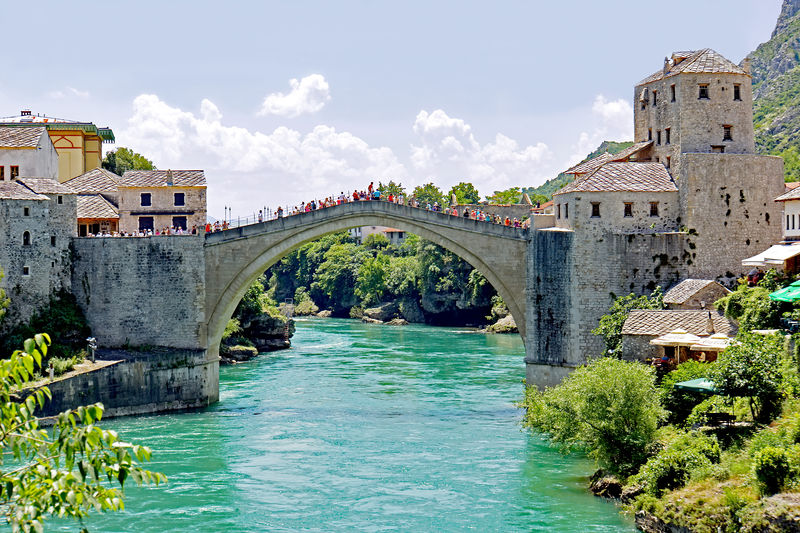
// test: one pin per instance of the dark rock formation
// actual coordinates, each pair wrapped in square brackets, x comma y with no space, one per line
[268,333]
[383,312]
[605,486]
[397,322]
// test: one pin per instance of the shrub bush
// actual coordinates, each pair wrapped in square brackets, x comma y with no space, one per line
[609,408]
[771,469]
[678,402]
[672,467]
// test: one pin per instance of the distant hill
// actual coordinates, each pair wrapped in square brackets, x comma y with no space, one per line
[550,186]
[775,66]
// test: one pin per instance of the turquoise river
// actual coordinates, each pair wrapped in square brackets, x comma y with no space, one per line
[361,428]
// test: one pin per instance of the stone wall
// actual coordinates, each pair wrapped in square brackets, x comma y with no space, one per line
[638,348]
[729,210]
[578,205]
[162,380]
[34,273]
[142,291]
[573,277]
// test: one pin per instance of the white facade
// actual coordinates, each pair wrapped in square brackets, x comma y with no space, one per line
[34,162]
[791,220]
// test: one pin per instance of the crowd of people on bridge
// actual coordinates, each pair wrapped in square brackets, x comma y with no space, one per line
[373,194]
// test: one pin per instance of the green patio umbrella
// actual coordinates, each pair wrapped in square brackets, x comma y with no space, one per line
[787,294]
[697,385]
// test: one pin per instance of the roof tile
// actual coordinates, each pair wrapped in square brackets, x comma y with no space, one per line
[684,290]
[11,137]
[95,181]
[655,322]
[700,61]
[628,177]
[14,190]
[45,186]
[95,206]
[159,178]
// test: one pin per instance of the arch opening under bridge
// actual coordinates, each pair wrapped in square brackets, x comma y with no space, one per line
[235,258]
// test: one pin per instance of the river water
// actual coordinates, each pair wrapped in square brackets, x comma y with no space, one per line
[361,428]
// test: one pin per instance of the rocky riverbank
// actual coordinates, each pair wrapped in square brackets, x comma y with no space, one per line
[263,333]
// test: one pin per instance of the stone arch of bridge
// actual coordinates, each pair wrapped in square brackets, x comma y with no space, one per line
[234,263]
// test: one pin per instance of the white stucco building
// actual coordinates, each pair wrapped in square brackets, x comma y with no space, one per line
[27,152]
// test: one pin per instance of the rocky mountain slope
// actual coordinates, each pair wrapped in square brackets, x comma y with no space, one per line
[775,66]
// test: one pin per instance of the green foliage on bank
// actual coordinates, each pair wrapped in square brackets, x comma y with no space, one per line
[338,274]
[69,329]
[663,444]
[610,326]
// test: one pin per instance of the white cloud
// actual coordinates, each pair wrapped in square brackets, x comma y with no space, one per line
[68,92]
[308,95]
[610,120]
[449,152]
[249,169]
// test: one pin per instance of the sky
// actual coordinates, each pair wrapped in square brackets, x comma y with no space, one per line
[283,102]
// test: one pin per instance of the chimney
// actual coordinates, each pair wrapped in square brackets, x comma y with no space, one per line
[710,325]
[666,66]
[169,178]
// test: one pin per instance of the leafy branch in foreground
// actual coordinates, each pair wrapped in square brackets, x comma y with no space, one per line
[67,471]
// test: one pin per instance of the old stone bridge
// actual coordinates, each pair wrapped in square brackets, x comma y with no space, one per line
[236,257]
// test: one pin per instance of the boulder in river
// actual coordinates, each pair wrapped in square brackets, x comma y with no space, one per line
[383,312]
[504,325]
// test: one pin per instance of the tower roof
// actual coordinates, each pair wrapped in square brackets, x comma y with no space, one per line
[696,62]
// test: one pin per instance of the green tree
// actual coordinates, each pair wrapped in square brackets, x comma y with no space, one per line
[751,307]
[122,159]
[371,280]
[508,196]
[465,192]
[72,469]
[375,241]
[610,326]
[391,188]
[428,194]
[608,408]
[335,279]
[750,369]
[402,276]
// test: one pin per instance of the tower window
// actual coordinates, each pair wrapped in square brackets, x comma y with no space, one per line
[26,271]
[667,135]
[703,95]
[14,171]
[558,211]
[727,133]
[737,92]
[653,209]
[672,93]
[26,238]
[26,211]
[669,162]
[595,209]
[628,212]
[566,210]
[180,199]
[658,137]
[52,240]
[2,173]
[60,200]
[146,199]
[649,134]
[655,97]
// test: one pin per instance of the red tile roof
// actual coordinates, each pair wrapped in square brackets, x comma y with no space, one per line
[629,177]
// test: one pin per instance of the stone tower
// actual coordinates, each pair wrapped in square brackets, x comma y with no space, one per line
[698,103]
[698,111]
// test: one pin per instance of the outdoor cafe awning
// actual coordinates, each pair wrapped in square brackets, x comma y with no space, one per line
[787,294]
[697,385]
[715,343]
[773,256]
[679,337]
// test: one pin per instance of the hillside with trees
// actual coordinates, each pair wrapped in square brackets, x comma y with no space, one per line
[775,67]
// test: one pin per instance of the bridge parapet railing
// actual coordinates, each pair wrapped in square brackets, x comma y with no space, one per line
[234,227]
